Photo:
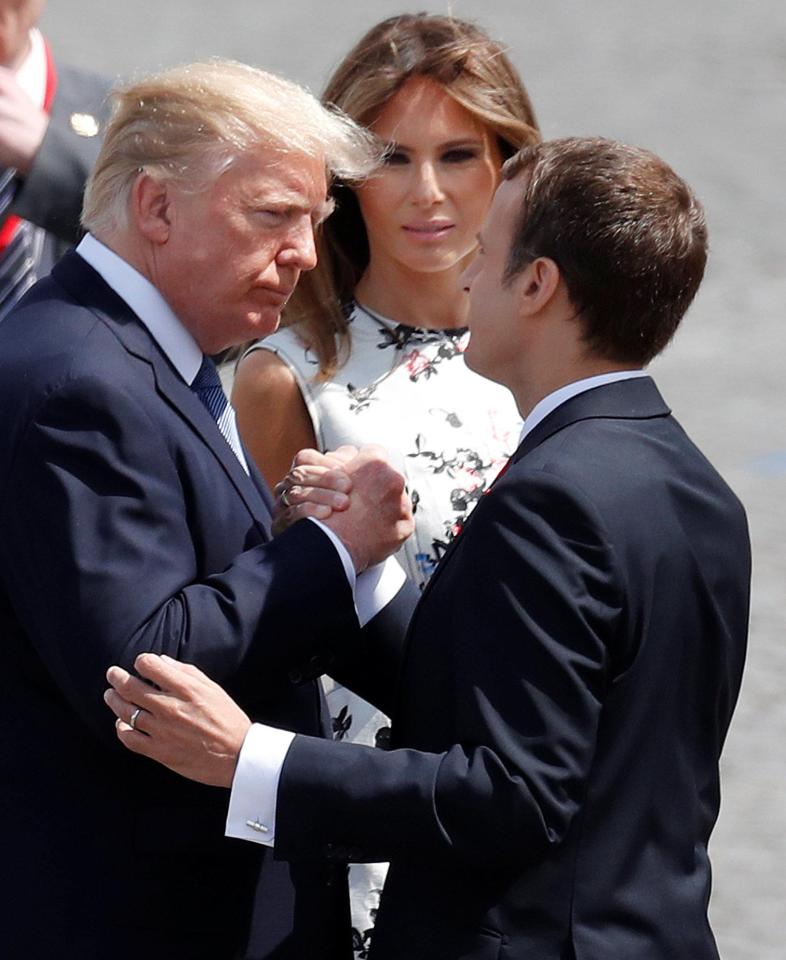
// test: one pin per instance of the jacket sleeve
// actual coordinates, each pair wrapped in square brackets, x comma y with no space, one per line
[103,562]
[528,607]
[369,663]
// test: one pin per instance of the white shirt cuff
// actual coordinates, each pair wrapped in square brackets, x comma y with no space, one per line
[374,588]
[252,802]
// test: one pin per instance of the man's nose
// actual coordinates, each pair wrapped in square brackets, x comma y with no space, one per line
[300,250]
[426,188]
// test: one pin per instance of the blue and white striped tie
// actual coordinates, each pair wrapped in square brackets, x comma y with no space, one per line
[207,386]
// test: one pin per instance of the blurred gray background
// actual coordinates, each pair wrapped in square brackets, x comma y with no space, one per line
[702,83]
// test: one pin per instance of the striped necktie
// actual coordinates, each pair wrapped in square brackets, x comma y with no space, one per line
[18,259]
[207,386]
[21,243]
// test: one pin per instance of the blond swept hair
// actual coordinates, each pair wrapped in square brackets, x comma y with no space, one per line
[187,124]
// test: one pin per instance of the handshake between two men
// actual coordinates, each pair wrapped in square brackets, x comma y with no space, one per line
[176,714]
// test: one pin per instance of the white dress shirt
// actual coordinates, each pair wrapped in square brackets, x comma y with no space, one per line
[252,802]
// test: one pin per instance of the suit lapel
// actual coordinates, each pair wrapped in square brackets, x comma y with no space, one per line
[634,399]
[90,289]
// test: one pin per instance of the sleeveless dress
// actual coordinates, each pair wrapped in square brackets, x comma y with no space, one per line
[449,432]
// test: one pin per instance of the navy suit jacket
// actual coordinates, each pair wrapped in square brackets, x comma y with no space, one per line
[128,525]
[567,684]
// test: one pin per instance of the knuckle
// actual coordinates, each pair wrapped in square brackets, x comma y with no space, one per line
[144,659]
[375,451]
[304,456]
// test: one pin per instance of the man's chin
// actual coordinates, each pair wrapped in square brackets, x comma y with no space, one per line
[477,365]
[471,359]
[262,323]
[254,326]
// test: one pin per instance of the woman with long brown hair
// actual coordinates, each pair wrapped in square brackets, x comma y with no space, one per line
[373,339]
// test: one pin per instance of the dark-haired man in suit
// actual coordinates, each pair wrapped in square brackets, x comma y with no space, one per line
[572,668]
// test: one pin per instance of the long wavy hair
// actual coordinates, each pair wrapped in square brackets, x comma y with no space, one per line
[475,71]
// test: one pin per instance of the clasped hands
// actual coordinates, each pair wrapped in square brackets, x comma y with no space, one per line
[179,716]
[356,493]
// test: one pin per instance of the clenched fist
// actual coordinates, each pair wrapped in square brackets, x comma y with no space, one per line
[374,515]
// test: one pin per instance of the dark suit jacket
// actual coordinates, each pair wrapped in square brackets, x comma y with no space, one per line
[128,525]
[569,679]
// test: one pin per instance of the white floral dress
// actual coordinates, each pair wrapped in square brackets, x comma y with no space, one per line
[448,430]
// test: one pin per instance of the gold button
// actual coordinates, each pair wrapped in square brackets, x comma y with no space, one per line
[84,124]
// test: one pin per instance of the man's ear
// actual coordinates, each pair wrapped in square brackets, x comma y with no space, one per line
[539,282]
[151,208]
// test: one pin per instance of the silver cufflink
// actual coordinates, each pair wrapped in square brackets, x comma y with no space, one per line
[256,825]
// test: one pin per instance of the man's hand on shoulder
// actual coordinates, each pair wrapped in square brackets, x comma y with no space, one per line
[180,718]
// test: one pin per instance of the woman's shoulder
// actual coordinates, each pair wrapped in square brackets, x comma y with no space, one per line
[290,347]
[285,338]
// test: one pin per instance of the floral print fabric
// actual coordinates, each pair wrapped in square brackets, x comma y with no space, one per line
[448,430]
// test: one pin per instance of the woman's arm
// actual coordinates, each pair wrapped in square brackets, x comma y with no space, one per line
[272,416]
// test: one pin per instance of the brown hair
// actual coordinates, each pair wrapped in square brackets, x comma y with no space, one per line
[475,71]
[627,234]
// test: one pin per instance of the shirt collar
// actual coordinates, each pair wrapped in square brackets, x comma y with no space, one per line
[553,400]
[31,75]
[147,303]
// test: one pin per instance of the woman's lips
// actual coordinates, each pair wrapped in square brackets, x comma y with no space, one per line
[431,230]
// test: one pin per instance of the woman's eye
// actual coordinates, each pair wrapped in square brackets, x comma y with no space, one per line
[396,158]
[459,155]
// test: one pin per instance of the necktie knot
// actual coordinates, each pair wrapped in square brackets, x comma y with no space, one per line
[207,386]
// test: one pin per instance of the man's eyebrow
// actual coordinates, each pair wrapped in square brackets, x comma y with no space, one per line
[291,203]
[323,211]
[281,197]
